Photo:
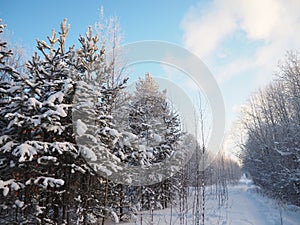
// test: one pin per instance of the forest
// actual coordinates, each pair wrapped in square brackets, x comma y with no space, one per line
[77,147]
[68,127]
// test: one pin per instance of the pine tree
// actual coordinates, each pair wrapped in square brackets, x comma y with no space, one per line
[102,137]
[157,127]
[8,89]
[152,120]
[47,173]
[41,145]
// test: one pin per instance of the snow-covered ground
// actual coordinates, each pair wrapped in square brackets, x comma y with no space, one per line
[245,206]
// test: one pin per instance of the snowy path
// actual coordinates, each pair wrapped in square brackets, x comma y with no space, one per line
[244,207]
[244,210]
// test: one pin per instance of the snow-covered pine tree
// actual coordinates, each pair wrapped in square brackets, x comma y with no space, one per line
[101,141]
[40,143]
[9,88]
[42,170]
[89,117]
[151,119]
[158,128]
[5,73]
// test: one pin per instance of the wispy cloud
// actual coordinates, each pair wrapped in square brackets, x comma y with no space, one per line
[275,24]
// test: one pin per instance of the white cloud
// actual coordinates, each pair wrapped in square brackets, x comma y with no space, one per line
[274,23]
[258,18]
[202,34]
[254,34]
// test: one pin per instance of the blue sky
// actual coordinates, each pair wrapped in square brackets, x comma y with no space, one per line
[240,41]
[139,20]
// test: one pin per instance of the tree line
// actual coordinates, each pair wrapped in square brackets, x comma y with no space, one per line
[271,121]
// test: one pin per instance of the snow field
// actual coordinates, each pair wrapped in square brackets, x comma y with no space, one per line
[245,206]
